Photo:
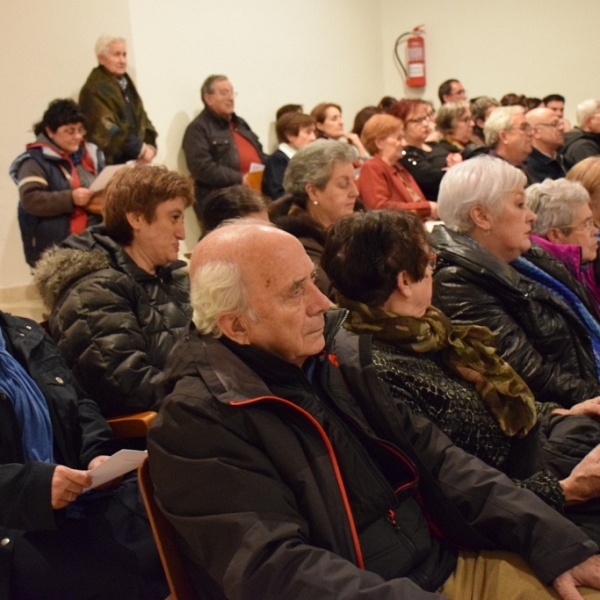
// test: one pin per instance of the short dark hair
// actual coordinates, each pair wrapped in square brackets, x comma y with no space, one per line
[207,85]
[290,123]
[362,116]
[139,190]
[446,88]
[230,203]
[386,103]
[364,253]
[553,98]
[287,108]
[512,99]
[59,112]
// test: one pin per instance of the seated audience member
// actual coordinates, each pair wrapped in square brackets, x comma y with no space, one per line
[219,146]
[509,136]
[587,172]
[237,201]
[294,130]
[287,108]
[58,541]
[330,126]
[564,227]
[556,103]
[455,123]
[425,161]
[584,140]
[340,492]
[386,103]
[117,296]
[53,176]
[544,162]
[381,267]
[512,99]
[487,228]
[451,90]
[362,116]
[481,108]
[383,181]
[320,187]
[116,119]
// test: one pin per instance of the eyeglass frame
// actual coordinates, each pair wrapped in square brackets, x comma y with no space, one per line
[587,225]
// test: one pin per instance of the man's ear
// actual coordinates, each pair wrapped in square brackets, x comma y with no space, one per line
[234,326]
[502,135]
[479,216]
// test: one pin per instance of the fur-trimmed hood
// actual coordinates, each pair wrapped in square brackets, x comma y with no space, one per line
[59,267]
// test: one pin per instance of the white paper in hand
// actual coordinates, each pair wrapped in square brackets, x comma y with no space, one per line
[118,464]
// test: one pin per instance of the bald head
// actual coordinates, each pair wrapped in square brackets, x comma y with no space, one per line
[547,129]
[254,284]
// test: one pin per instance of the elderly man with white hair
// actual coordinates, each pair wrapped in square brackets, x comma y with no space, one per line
[116,119]
[288,471]
[509,135]
[583,140]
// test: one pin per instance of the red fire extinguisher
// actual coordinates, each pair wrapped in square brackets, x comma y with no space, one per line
[414,71]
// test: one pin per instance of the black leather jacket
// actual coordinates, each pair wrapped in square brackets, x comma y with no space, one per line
[275,521]
[535,332]
[211,154]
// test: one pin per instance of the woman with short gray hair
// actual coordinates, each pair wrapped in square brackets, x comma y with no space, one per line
[320,190]
[565,228]
[548,334]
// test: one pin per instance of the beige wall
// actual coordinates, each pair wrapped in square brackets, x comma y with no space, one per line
[275,52]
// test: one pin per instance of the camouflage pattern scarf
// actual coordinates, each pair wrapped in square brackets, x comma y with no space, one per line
[467,350]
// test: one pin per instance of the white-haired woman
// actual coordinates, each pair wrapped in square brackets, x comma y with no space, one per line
[565,228]
[487,227]
[116,119]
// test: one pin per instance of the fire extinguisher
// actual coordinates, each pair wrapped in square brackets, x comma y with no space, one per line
[414,71]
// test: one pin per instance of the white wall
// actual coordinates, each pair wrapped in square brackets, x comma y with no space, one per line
[535,48]
[274,52]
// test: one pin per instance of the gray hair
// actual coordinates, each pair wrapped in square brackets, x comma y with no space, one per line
[448,114]
[585,109]
[104,41]
[499,120]
[207,86]
[314,164]
[480,181]
[480,105]
[554,202]
[217,287]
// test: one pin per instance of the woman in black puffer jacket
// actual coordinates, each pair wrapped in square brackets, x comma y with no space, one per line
[118,297]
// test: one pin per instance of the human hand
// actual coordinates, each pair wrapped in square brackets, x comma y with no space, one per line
[66,485]
[590,408]
[81,196]
[354,140]
[434,211]
[584,481]
[147,155]
[586,573]
[98,461]
[454,158]
[246,180]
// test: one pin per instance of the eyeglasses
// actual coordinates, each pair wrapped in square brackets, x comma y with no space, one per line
[73,131]
[555,124]
[419,119]
[587,225]
[524,127]
[432,260]
[224,93]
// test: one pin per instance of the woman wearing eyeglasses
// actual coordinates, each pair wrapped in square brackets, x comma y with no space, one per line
[426,161]
[485,276]
[53,177]
[565,229]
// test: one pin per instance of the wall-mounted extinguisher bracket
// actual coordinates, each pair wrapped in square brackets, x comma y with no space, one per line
[414,71]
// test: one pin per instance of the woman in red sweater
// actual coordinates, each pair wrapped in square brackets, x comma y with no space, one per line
[383,182]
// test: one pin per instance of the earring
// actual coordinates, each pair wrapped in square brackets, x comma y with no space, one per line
[315,202]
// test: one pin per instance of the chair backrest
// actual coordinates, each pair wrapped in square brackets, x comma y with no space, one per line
[179,581]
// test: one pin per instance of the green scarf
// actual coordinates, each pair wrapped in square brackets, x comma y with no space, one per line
[467,350]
